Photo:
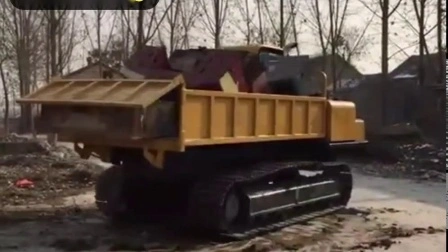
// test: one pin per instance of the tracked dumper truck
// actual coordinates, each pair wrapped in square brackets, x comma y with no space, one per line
[234,140]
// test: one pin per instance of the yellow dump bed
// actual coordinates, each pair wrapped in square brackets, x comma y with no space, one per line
[162,114]
[102,92]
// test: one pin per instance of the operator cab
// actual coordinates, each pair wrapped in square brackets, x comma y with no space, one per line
[285,74]
[273,70]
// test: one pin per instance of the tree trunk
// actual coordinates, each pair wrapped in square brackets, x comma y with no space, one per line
[247,21]
[53,23]
[60,51]
[439,41]
[32,107]
[385,39]
[422,41]
[23,58]
[384,56]
[333,46]
[140,38]
[217,34]
[98,37]
[6,95]
[260,22]
[47,54]
[282,24]
[53,47]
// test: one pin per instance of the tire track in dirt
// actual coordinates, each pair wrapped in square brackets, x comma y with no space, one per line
[351,230]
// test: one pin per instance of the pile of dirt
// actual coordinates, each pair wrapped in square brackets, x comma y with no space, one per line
[410,157]
[43,175]
[387,235]
[424,159]
[14,138]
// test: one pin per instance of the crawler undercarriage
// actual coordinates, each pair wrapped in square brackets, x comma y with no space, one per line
[236,203]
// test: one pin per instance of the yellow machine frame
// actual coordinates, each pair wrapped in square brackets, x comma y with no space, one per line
[206,118]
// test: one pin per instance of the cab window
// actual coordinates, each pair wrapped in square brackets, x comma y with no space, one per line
[266,57]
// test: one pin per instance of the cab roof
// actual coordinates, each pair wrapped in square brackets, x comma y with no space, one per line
[255,49]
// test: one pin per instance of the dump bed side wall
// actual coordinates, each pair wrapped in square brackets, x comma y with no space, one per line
[163,115]
[110,112]
[219,118]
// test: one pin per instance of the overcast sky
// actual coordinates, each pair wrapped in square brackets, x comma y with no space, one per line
[402,35]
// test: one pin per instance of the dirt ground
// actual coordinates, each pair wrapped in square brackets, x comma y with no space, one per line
[41,173]
[392,214]
[406,157]
[397,215]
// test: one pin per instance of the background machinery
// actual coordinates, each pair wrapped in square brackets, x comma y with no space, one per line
[193,137]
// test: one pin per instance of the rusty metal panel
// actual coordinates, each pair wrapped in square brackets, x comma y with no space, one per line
[102,92]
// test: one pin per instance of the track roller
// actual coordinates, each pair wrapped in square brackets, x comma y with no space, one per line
[239,203]
[109,196]
[124,194]
[248,202]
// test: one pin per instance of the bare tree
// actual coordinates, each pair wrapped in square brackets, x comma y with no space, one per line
[386,13]
[282,23]
[296,26]
[316,23]
[135,22]
[4,57]
[337,13]
[99,15]
[189,13]
[387,9]
[96,40]
[140,36]
[213,17]
[60,40]
[260,21]
[280,19]
[174,26]
[101,44]
[420,11]
[268,22]
[63,36]
[329,24]
[53,20]
[441,15]
[53,23]
[124,36]
[418,19]
[353,42]
[245,24]
[23,30]
[5,94]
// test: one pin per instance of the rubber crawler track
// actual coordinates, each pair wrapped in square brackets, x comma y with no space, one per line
[280,224]
[208,196]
